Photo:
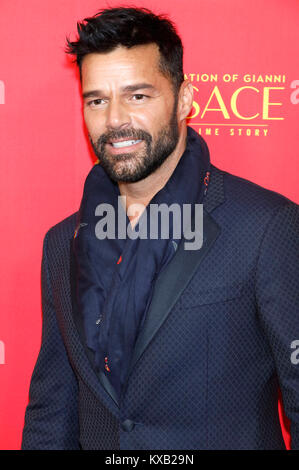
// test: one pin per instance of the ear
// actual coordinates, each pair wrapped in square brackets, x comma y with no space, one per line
[185,102]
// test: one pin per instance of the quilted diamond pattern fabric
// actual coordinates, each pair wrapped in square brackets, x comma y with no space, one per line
[209,378]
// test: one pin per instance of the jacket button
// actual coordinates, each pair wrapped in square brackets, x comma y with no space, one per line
[128,425]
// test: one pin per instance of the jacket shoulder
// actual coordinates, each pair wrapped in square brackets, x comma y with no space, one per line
[60,234]
[246,195]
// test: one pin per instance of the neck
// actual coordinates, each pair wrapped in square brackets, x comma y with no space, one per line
[143,191]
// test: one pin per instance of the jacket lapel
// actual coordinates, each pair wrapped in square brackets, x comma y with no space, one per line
[171,283]
[78,320]
[178,273]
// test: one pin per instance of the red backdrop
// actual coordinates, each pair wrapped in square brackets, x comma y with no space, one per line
[242,58]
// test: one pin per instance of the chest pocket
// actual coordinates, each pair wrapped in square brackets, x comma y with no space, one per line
[192,297]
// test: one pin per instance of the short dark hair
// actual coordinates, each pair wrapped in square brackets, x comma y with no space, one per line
[128,27]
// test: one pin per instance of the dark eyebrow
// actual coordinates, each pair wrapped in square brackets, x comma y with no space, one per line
[138,86]
[92,93]
[126,89]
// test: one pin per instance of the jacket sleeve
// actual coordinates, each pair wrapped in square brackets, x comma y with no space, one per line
[51,418]
[277,291]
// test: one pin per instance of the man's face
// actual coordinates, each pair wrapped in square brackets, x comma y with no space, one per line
[130,111]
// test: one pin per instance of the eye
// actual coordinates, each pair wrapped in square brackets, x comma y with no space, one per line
[95,103]
[139,97]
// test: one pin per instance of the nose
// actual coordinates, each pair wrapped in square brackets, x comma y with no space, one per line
[117,116]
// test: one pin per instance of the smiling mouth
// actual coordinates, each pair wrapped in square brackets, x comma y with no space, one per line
[124,143]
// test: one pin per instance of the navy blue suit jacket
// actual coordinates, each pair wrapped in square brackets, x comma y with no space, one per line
[215,348]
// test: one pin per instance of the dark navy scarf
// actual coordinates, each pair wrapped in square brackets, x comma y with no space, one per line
[115,277]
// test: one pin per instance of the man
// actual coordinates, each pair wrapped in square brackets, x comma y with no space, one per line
[148,344]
